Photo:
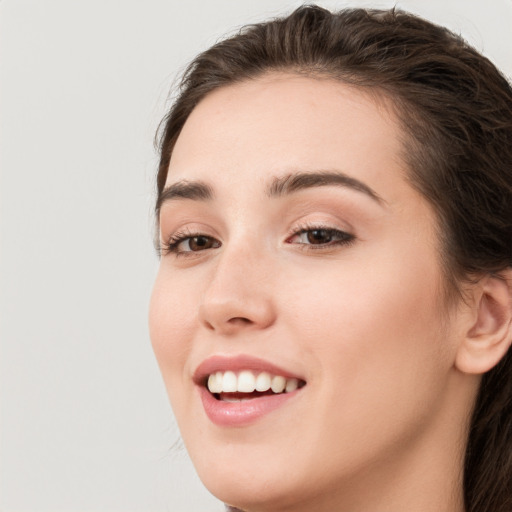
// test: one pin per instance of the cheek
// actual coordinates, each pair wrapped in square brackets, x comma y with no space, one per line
[357,327]
[374,332]
[366,299]
[170,327]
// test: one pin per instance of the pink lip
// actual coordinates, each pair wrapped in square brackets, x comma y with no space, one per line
[238,414]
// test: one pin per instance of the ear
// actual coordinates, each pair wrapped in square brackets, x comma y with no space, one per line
[489,334]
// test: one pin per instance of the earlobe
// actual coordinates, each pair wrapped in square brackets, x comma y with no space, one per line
[489,335]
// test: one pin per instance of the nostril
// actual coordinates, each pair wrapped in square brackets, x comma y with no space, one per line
[240,320]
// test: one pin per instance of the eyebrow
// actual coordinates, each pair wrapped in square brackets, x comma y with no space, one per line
[280,186]
[195,190]
[295,182]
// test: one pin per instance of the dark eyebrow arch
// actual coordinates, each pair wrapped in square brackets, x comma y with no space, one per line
[303,180]
[195,190]
[280,186]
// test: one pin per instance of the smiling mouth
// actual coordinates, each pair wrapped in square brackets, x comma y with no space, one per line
[245,385]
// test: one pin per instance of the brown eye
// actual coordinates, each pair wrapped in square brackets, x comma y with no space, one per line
[198,243]
[319,236]
[182,244]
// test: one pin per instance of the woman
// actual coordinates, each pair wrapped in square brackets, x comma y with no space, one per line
[332,314]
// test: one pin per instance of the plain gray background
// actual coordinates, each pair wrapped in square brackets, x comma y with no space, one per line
[85,423]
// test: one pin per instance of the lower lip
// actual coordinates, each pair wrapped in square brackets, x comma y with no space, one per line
[239,414]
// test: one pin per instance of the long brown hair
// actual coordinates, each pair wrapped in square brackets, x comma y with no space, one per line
[456,112]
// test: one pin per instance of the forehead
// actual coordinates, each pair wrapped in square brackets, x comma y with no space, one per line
[280,122]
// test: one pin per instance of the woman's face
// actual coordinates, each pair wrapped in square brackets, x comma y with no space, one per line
[296,253]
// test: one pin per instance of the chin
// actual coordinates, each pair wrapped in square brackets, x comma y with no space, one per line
[251,484]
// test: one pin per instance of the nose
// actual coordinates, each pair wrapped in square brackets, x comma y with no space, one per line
[239,295]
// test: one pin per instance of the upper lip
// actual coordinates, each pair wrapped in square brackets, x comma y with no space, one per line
[222,363]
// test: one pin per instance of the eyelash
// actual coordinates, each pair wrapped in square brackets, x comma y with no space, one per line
[344,239]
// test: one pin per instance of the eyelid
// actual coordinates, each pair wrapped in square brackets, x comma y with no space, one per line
[310,225]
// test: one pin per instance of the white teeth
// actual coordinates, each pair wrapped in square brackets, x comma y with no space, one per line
[263,381]
[215,382]
[291,385]
[278,384]
[247,382]
[229,382]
